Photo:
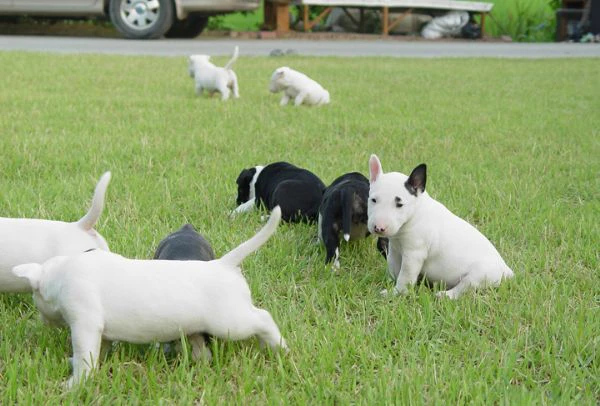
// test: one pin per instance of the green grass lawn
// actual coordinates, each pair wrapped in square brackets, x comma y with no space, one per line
[511,145]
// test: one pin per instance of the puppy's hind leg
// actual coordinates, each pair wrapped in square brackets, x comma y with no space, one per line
[465,283]
[200,351]
[87,340]
[267,331]
[234,86]
[299,98]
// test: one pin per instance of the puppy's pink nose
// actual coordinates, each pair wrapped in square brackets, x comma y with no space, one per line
[379,229]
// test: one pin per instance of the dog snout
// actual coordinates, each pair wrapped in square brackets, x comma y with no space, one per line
[379,229]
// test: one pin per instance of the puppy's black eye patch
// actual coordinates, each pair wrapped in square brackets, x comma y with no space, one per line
[398,202]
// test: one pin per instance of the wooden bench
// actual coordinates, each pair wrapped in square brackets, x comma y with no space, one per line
[386,5]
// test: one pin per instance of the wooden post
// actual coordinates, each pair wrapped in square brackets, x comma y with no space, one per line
[482,23]
[305,18]
[283,18]
[385,21]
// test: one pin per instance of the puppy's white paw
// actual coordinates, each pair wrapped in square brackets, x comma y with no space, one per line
[336,266]
[69,383]
[446,294]
[393,292]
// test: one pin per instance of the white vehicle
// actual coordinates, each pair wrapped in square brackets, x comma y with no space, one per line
[136,19]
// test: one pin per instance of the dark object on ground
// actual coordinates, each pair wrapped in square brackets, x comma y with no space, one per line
[185,244]
[471,31]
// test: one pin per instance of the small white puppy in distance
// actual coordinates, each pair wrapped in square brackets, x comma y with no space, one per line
[35,240]
[425,238]
[297,86]
[213,78]
[105,297]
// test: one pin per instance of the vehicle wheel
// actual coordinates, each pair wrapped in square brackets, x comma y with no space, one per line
[191,27]
[142,19]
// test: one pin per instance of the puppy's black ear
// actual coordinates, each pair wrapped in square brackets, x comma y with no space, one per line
[417,179]
[245,177]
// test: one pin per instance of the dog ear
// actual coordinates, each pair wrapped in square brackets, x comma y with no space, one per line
[417,179]
[245,177]
[375,169]
[33,272]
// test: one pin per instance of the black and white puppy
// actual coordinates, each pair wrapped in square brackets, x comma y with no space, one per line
[186,244]
[343,211]
[297,191]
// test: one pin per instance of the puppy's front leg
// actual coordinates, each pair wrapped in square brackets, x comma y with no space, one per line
[394,260]
[284,100]
[409,273]
[244,207]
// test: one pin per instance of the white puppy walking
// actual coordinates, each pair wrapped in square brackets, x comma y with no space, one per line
[212,78]
[105,297]
[425,238]
[297,86]
[36,240]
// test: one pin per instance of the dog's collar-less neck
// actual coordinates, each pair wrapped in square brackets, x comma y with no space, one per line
[252,192]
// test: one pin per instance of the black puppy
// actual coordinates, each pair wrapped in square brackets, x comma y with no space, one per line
[343,210]
[297,191]
[186,244]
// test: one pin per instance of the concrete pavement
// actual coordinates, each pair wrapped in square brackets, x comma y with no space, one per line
[392,48]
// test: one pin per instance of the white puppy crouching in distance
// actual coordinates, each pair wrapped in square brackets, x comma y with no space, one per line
[297,86]
[213,78]
[105,297]
[25,240]
[425,238]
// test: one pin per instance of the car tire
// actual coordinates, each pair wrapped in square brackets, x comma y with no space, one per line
[191,27]
[142,19]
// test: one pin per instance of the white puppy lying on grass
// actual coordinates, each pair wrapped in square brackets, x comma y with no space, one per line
[297,86]
[36,240]
[213,78]
[104,297]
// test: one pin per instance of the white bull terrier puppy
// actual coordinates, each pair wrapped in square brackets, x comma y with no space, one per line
[427,239]
[213,78]
[34,240]
[297,86]
[105,297]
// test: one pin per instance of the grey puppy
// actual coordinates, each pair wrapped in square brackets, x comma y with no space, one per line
[185,244]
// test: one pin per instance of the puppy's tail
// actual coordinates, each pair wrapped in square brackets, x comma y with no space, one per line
[237,255]
[347,203]
[88,221]
[233,58]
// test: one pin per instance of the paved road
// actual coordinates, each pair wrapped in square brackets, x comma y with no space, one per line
[394,48]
